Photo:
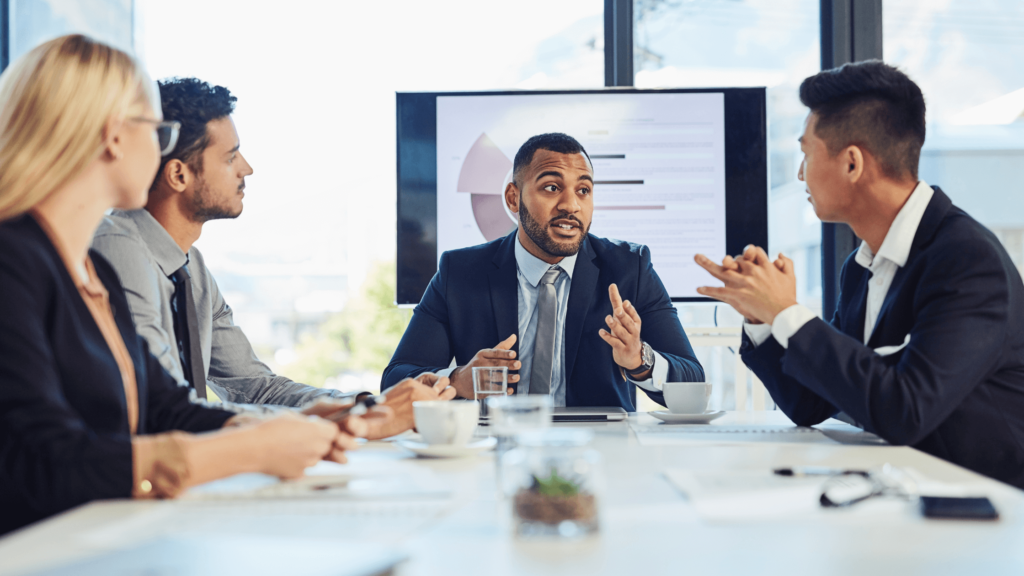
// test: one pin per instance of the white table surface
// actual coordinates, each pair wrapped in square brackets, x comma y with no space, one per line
[647,526]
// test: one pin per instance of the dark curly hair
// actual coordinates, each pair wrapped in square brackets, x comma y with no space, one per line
[553,141]
[872,105]
[194,103]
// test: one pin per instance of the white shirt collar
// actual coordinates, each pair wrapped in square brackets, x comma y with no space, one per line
[900,237]
[533,268]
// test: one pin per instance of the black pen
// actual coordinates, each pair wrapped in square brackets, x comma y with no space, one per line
[359,408]
[798,471]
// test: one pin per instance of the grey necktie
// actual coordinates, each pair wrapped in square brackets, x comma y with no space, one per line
[544,345]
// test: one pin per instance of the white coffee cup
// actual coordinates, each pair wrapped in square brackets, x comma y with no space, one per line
[687,397]
[440,422]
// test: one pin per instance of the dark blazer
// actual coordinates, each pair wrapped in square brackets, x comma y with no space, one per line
[957,389]
[64,437]
[472,303]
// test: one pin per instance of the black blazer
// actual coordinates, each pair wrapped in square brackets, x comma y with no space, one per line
[957,389]
[64,436]
[472,303]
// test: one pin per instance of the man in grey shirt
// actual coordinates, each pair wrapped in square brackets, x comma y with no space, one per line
[152,250]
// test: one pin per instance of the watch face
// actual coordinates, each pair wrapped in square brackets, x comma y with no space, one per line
[648,355]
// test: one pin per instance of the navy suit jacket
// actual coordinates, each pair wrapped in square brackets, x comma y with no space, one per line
[64,436]
[472,303]
[956,390]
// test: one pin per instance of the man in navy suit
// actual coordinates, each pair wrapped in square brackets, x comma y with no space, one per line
[926,347]
[547,300]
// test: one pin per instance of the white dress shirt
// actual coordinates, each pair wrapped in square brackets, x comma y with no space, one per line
[892,256]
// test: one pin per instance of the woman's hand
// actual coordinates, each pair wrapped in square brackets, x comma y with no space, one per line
[288,444]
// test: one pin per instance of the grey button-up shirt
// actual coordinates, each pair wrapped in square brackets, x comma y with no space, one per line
[145,256]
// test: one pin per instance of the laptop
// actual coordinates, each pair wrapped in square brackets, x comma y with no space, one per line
[589,414]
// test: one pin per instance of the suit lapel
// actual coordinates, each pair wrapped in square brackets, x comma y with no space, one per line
[581,297]
[854,324]
[936,211]
[504,296]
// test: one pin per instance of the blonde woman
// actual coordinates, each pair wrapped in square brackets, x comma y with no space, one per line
[85,411]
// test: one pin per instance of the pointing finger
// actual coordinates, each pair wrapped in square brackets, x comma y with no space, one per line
[613,295]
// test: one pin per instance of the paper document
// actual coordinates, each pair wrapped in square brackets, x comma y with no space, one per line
[393,481]
[662,434]
[728,496]
[234,554]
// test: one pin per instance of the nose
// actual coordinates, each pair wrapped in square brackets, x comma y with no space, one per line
[568,202]
[246,168]
[800,172]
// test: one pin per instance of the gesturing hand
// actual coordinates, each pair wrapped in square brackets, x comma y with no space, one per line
[500,355]
[392,417]
[290,443]
[623,333]
[755,286]
[426,386]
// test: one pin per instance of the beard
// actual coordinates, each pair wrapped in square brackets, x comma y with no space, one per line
[542,238]
[205,207]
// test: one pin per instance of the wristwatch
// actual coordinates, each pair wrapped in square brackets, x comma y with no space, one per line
[646,361]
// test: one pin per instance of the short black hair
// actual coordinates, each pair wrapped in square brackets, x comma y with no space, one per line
[193,103]
[872,105]
[552,141]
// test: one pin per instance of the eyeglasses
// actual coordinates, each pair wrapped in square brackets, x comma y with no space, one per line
[852,487]
[166,133]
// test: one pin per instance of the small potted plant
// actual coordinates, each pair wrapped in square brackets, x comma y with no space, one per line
[555,504]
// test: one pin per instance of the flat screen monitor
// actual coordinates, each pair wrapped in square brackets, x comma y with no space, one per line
[683,171]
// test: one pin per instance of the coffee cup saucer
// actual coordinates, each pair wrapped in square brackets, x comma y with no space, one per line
[424,450]
[702,418]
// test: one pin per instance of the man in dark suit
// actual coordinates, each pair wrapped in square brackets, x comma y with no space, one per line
[550,294]
[927,345]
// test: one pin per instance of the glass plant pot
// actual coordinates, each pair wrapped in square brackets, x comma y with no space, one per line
[552,479]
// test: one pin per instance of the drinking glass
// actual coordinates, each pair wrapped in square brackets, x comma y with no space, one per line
[512,415]
[489,381]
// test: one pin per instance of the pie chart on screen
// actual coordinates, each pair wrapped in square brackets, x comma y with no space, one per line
[483,176]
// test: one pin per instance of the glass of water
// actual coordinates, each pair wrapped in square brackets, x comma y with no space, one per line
[514,415]
[489,381]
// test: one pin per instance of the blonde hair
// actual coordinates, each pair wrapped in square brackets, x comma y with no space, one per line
[54,104]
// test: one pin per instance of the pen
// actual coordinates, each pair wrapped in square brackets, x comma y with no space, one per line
[798,471]
[357,409]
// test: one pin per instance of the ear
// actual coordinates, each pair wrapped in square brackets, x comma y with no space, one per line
[853,160]
[177,175]
[512,197]
[113,143]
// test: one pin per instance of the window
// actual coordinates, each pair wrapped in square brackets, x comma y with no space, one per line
[315,85]
[771,43]
[36,21]
[966,55]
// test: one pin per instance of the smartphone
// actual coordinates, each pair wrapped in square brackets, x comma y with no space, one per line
[958,508]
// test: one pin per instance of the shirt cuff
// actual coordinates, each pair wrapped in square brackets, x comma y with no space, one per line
[758,333]
[159,466]
[789,322]
[447,372]
[656,381]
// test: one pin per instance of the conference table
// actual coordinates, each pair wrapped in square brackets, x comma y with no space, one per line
[648,525]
